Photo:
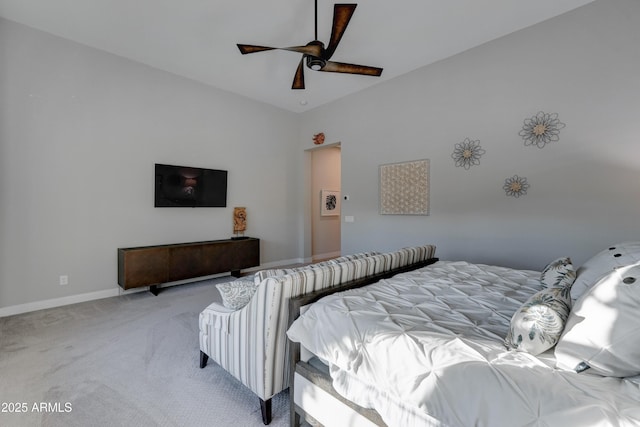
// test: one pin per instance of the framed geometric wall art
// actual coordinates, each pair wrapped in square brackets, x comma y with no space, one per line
[404,188]
[329,203]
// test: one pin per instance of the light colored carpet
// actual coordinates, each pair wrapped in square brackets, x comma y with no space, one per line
[131,360]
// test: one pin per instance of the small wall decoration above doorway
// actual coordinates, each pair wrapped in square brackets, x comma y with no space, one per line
[404,188]
[329,203]
[541,129]
[318,138]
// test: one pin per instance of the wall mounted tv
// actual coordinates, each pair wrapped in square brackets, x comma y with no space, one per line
[182,186]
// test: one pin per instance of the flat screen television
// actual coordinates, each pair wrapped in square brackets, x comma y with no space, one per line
[182,186]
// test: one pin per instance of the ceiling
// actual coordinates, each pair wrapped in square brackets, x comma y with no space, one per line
[197,38]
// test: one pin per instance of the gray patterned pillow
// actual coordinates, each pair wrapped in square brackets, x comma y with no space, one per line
[558,273]
[538,324]
[236,294]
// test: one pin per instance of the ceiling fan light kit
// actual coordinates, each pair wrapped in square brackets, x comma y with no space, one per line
[314,53]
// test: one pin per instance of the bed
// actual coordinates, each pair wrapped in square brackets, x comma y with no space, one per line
[446,345]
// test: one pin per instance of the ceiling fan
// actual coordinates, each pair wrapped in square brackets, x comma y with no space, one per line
[316,55]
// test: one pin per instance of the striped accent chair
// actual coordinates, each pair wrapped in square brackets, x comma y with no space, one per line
[251,343]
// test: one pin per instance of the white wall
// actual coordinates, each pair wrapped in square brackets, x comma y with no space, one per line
[585,189]
[80,131]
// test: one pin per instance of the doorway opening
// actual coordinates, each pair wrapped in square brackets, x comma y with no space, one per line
[325,221]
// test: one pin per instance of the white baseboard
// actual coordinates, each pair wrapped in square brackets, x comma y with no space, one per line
[117,291]
[57,302]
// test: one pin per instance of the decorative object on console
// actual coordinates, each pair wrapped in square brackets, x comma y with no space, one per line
[318,138]
[467,153]
[329,203]
[404,188]
[541,129]
[515,186]
[239,222]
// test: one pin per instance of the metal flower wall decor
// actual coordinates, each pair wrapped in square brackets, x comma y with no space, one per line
[516,186]
[467,153]
[541,129]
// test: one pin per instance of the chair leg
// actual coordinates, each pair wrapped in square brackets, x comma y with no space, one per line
[203,359]
[265,406]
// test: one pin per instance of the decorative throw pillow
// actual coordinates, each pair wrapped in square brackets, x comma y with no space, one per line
[558,273]
[538,324]
[603,331]
[602,264]
[236,294]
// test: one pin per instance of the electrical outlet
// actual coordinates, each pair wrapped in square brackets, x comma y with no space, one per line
[64,280]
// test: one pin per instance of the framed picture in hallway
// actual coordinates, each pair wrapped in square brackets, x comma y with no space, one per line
[329,203]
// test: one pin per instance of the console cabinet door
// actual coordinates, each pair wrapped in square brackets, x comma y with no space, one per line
[143,267]
[185,262]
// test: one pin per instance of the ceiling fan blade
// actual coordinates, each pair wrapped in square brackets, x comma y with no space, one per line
[340,67]
[311,49]
[341,16]
[298,79]
[247,48]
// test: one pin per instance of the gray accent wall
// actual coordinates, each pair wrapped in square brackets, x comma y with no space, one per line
[584,190]
[80,131]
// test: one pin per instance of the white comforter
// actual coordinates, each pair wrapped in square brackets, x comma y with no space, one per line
[426,348]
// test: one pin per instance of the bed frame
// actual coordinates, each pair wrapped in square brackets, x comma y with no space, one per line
[304,374]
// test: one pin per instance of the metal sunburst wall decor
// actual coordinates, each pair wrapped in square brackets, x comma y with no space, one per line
[541,129]
[467,153]
[516,186]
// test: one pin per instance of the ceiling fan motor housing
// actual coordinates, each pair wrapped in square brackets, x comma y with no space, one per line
[314,62]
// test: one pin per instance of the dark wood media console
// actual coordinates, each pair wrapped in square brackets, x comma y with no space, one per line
[153,265]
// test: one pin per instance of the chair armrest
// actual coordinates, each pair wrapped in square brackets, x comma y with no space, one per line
[219,308]
[218,317]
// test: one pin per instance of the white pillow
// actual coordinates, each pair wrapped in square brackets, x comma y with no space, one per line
[602,264]
[603,330]
[236,294]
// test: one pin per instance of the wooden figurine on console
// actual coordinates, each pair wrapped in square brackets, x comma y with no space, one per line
[239,222]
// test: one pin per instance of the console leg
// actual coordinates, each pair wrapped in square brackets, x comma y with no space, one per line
[265,406]
[154,290]
[236,273]
[203,359]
